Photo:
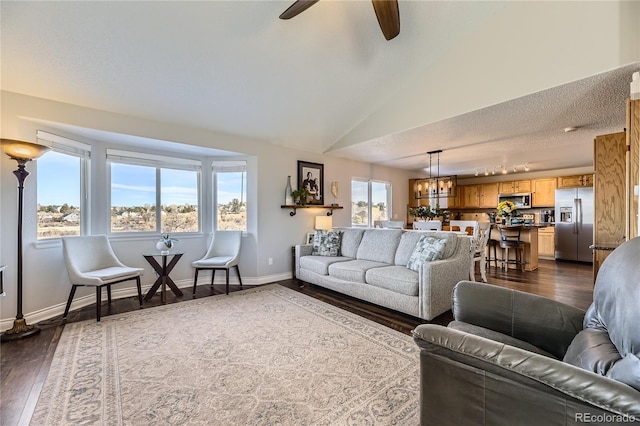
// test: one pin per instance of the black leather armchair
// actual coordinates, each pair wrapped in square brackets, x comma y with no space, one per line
[513,358]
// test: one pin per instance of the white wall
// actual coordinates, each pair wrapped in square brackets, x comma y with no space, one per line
[271,231]
[508,58]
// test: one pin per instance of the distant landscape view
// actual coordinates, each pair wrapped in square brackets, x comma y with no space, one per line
[58,221]
[360,211]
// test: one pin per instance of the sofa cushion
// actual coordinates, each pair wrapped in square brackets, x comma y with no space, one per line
[497,337]
[327,243]
[427,249]
[410,239]
[353,270]
[379,245]
[395,278]
[320,264]
[592,350]
[351,238]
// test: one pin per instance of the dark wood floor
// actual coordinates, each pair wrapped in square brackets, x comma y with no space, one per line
[24,364]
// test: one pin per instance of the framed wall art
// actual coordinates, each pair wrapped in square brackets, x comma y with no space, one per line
[311,177]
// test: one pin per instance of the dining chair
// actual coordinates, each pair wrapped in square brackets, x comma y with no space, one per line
[468,226]
[478,250]
[392,224]
[91,262]
[223,254]
[430,225]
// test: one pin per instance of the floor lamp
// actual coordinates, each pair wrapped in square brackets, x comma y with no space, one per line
[22,152]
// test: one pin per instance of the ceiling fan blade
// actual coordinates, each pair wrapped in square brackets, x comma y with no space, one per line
[296,8]
[388,17]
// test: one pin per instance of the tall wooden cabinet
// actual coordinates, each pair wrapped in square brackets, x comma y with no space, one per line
[609,191]
[633,142]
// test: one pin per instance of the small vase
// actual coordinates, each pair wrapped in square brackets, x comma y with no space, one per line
[162,247]
[288,199]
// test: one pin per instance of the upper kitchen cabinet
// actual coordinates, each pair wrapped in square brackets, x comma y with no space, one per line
[470,196]
[543,192]
[480,195]
[575,181]
[515,187]
[489,194]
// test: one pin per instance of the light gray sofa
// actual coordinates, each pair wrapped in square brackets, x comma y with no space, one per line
[372,267]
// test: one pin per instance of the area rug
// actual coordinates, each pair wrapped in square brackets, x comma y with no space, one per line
[264,356]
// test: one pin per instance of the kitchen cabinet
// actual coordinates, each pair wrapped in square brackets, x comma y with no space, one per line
[515,187]
[543,192]
[470,196]
[575,181]
[546,243]
[489,195]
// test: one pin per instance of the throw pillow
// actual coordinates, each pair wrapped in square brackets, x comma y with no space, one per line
[327,243]
[427,249]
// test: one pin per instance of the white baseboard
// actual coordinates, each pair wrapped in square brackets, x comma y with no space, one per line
[130,291]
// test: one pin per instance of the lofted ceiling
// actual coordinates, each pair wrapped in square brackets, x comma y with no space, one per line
[310,82]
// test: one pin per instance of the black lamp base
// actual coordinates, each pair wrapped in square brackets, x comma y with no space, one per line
[20,330]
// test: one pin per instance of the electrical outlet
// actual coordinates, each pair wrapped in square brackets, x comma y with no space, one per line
[270,261]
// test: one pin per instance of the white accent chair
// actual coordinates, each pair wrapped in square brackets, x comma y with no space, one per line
[478,251]
[429,225]
[91,262]
[223,254]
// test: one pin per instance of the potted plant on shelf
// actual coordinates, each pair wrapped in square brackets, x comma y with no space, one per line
[300,196]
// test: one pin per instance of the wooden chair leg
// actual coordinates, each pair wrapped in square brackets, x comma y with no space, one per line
[227,271]
[239,278]
[139,290]
[213,276]
[109,294]
[98,303]
[71,294]
[195,282]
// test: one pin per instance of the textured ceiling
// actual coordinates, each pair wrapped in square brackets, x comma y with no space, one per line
[234,68]
[527,130]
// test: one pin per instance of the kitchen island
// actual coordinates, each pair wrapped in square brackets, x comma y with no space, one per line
[529,236]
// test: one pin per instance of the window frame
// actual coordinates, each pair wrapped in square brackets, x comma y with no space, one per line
[229,166]
[370,182]
[158,162]
[81,151]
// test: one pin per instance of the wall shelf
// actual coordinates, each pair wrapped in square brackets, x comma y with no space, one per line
[310,206]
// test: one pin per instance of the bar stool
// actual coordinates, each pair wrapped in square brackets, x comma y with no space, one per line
[492,244]
[510,239]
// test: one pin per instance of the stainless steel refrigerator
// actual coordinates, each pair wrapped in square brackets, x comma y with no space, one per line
[574,224]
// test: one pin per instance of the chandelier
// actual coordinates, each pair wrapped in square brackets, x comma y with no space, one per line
[435,186]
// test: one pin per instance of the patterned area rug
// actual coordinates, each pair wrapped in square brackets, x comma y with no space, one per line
[265,356]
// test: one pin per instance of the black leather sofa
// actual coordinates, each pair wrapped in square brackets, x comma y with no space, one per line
[513,358]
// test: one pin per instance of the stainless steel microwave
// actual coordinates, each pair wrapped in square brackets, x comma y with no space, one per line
[522,201]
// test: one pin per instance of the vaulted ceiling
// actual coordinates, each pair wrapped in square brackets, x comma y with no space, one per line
[489,83]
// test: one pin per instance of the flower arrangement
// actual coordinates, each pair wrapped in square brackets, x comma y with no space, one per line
[506,209]
[426,212]
[165,243]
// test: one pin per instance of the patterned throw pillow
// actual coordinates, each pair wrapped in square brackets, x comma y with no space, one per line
[427,249]
[327,243]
